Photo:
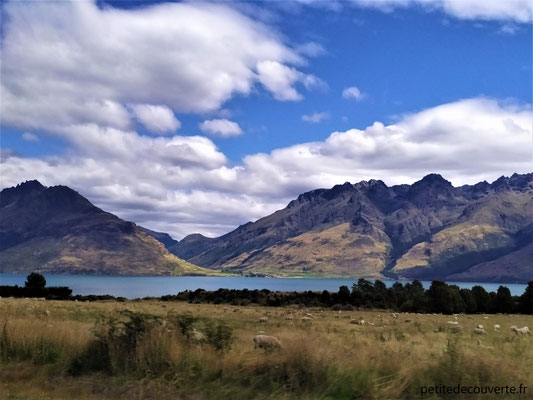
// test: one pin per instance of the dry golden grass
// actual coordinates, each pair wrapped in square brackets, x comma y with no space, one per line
[326,358]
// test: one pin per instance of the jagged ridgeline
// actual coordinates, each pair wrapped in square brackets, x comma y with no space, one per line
[56,230]
[427,230]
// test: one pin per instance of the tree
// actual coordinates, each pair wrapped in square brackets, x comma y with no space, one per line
[503,303]
[525,304]
[483,300]
[35,281]
[344,294]
[441,298]
[469,299]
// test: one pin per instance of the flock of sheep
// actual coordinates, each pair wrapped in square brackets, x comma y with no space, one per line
[271,342]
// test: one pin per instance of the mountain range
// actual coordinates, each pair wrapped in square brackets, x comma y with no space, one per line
[56,230]
[427,230]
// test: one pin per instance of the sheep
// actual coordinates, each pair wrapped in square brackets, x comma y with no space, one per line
[480,326]
[47,313]
[266,342]
[394,315]
[306,319]
[357,322]
[197,335]
[263,319]
[480,331]
[521,331]
[309,315]
[497,327]
[453,323]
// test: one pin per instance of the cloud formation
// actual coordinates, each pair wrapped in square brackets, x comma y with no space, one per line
[221,127]
[73,63]
[352,93]
[159,119]
[185,184]
[30,137]
[520,11]
[315,118]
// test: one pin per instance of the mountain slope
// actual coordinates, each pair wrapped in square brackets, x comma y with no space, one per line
[429,229]
[56,230]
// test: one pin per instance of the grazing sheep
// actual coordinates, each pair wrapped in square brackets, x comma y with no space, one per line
[47,313]
[266,342]
[480,326]
[309,315]
[260,332]
[521,331]
[453,323]
[394,315]
[263,319]
[306,319]
[197,335]
[479,331]
[497,328]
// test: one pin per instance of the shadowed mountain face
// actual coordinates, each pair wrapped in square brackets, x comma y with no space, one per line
[427,230]
[56,230]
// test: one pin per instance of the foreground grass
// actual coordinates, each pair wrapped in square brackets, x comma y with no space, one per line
[147,350]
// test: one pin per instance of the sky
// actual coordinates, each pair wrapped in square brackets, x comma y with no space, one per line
[194,116]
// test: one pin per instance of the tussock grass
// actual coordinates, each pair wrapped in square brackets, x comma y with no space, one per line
[152,350]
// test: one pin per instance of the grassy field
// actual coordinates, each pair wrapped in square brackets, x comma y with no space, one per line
[172,350]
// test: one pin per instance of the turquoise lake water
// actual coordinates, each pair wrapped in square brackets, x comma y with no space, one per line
[133,287]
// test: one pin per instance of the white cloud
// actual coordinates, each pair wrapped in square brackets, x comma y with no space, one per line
[158,119]
[311,49]
[221,127]
[512,10]
[73,63]
[30,137]
[353,93]
[185,184]
[280,79]
[520,11]
[315,118]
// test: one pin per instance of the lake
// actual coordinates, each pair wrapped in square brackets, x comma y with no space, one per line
[154,286]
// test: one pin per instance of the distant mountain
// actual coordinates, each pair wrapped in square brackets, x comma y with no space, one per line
[56,230]
[427,230]
[162,237]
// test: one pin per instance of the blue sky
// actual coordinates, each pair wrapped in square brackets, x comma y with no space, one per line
[112,100]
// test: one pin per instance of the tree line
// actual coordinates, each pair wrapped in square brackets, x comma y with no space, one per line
[364,294]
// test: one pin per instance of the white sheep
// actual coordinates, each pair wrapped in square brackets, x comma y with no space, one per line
[480,331]
[480,326]
[197,335]
[497,327]
[521,331]
[263,319]
[453,323]
[268,342]
[306,319]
